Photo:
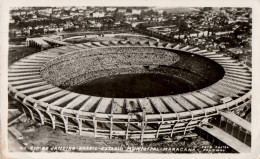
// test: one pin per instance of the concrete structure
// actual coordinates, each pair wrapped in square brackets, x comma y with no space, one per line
[37,43]
[136,11]
[44,43]
[229,129]
[108,117]
[121,10]
[55,42]
[111,9]
[227,139]
[45,12]
[97,14]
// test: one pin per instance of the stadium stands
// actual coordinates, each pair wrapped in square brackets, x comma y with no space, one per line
[38,81]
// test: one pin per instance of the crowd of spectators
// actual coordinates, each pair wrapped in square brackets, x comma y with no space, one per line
[82,66]
[95,60]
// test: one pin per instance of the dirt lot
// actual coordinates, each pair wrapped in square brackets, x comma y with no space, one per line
[39,138]
[18,52]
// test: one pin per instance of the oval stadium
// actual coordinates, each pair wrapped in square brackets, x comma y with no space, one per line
[57,87]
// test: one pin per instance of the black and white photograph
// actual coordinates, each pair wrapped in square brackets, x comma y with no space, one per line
[129,79]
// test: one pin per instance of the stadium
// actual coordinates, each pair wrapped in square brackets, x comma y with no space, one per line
[208,83]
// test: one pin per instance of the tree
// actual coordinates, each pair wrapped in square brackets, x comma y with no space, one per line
[164,14]
[128,9]
[118,16]
[207,9]
[182,26]
[244,28]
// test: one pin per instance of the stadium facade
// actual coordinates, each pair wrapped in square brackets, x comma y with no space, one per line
[37,81]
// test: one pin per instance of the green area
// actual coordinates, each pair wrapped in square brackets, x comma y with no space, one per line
[18,52]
